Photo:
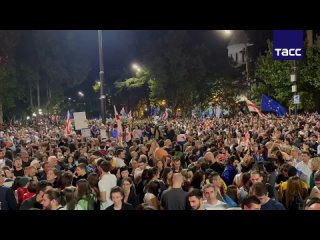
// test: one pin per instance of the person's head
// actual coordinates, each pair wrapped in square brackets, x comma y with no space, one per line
[209,157]
[83,188]
[177,180]
[292,171]
[142,162]
[255,177]
[232,192]
[46,167]
[24,156]
[124,171]
[187,175]
[251,203]
[176,163]
[8,173]
[210,193]
[294,188]
[160,164]
[52,199]
[105,166]
[66,180]
[81,169]
[36,163]
[153,187]
[42,187]
[245,180]
[30,171]
[53,161]
[134,163]
[317,179]
[70,197]
[126,184]
[195,199]
[52,174]
[167,175]
[259,190]
[17,162]
[305,156]
[2,152]
[313,204]
[198,179]
[93,179]
[215,180]
[121,153]
[314,164]
[116,195]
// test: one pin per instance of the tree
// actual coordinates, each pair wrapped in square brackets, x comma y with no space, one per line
[275,77]
[8,81]
[181,70]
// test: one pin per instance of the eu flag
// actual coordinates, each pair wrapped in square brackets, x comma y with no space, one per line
[270,105]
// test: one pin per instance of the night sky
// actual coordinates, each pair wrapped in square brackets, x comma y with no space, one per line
[123,47]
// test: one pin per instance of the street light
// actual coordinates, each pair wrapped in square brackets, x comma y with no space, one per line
[101,75]
[136,67]
[81,94]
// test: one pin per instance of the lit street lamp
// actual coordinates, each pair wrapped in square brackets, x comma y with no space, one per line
[136,67]
[81,94]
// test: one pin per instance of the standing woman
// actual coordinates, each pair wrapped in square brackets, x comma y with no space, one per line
[93,180]
[129,191]
[295,194]
[84,195]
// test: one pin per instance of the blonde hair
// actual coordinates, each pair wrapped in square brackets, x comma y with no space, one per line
[187,174]
[314,164]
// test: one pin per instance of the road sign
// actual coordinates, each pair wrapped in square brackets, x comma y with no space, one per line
[296,99]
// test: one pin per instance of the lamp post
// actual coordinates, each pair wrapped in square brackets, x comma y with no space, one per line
[101,75]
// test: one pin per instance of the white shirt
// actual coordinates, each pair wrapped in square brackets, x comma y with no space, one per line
[301,166]
[105,184]
[218,206]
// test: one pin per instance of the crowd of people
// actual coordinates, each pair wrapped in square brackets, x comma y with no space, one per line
[238,163]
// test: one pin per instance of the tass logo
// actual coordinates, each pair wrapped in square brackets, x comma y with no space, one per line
[287,44]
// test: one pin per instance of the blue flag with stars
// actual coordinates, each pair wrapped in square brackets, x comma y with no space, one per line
[270,105]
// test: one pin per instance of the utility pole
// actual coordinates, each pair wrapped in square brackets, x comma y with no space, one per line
[296,98]
[247,69]
[101,75]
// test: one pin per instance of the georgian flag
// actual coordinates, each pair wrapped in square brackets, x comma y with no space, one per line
[67,130]
[252,107]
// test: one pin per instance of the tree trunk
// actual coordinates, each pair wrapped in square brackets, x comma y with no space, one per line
[1,113]
[38,92]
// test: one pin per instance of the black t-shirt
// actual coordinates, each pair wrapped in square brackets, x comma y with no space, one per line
[18,173]
[217,167]
[125,206]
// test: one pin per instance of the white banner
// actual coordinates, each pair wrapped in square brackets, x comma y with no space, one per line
[80,120]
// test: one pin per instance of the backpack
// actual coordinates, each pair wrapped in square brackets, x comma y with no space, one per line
[297,203]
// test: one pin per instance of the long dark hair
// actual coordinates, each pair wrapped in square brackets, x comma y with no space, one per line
[70,197]
[93,180]
[84,191]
